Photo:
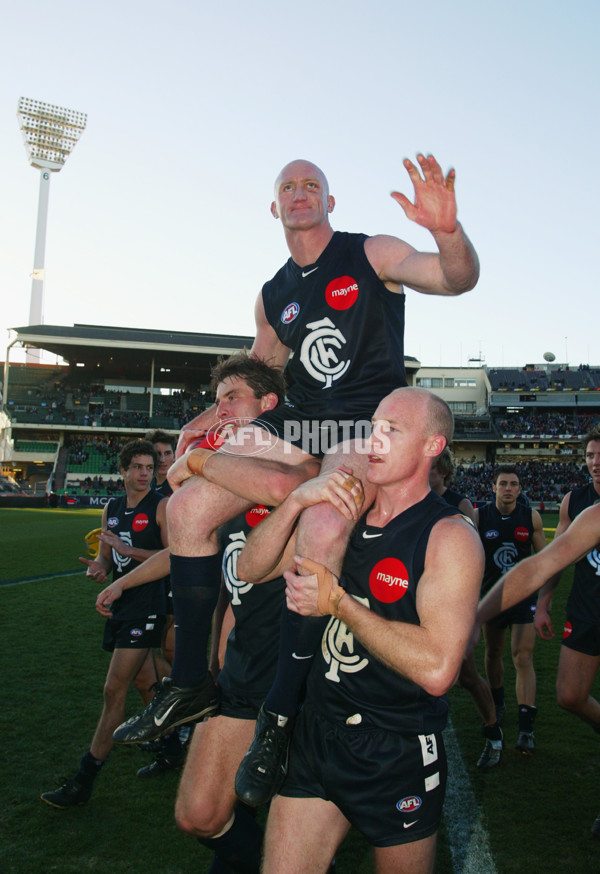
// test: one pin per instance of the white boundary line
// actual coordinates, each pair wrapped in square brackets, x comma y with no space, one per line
[40,579]
[468,839]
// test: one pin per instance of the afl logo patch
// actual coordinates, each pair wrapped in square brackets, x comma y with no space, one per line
[491,534]
[290,313]
[388,580]
[409,804]
[136,632]
[521,534]
[113,522]
[341,293]
[140,522]
[255,515]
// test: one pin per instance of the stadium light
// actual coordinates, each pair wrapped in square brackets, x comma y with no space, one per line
[50,134]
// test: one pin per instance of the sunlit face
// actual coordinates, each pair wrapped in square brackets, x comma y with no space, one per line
[166,457]
[138,476]
[302,199]
[507,489]
[398,444]
[236,402]
[592,459]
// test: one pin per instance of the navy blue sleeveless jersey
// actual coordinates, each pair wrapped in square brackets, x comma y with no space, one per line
[453,498]
[506,540]
[138,527]
[253,643]
[345,328]
[584,598]
[164,489]
[381,570]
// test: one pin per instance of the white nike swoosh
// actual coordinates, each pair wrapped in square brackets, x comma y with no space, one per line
[158,722]
[300,658]
[370,536]
[504,518]
[129,512]
[308,272]
[408,824]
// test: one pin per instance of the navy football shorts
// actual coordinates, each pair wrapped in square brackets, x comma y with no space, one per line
[145,633]
[389,786]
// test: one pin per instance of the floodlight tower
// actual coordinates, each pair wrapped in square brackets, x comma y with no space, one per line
[50,134]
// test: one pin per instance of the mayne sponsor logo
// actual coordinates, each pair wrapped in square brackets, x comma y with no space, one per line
[341,293]
[568,630]
[256,514]
[388,580]
[521,534]
[140,522]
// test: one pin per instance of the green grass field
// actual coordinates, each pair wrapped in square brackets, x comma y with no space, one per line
[537,811]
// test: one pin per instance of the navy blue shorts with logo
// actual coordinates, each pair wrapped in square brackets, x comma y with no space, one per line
[314,436]
[389,786]
[144,633]
[581,636]
[522,613]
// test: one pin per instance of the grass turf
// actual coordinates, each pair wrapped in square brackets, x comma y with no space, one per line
[537,810]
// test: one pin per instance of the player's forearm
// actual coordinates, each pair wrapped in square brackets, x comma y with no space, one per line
[458,261]
[156,567]
[258,480]
[261,558]
[409,650]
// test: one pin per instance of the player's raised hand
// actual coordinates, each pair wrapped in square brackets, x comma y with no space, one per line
[94,569]
[435,202]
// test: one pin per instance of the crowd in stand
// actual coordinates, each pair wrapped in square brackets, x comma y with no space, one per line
[543,481]
[553,424]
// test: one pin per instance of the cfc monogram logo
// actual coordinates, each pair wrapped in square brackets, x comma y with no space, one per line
[593,558]
[319,352]
[235,586]
[121,561]
[337,646]
[505,557]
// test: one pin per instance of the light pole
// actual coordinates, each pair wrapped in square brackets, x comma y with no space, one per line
[50,134]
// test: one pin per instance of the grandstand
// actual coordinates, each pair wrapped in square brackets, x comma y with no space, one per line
[62,425]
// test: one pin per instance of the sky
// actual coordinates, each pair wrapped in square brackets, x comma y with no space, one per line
[160,217]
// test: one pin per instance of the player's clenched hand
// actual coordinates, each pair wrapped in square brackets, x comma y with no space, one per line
[338,487]
[317,594]
[94,569]
[543,624]
[435,201]
[107,596]
[179,472]
[186,438]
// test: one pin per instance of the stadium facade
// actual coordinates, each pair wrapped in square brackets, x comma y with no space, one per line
[115,383]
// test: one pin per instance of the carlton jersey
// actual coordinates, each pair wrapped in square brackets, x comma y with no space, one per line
[139,528]
[506,540]
[453,498]
[164,489]
[584,598]
[253,644]
[381,570]
[345,329]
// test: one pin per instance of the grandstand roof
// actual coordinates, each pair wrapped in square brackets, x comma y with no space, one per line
[184,356]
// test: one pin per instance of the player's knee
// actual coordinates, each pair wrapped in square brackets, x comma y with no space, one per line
[186,504]
[196,817]
[523,660]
